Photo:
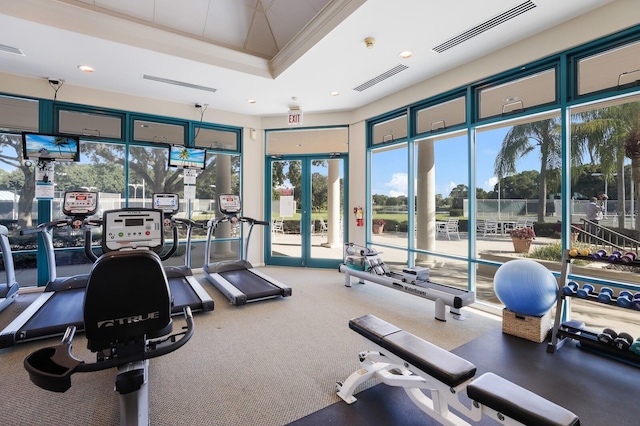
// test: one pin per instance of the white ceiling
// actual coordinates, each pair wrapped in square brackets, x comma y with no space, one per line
[282,53]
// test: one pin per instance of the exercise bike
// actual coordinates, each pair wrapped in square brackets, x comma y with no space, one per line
[124,331]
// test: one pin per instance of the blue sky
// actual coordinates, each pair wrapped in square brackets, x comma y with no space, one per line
[389,169]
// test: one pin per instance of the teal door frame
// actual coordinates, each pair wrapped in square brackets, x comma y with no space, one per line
[305,259]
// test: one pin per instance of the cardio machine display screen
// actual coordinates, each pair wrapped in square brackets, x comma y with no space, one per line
[229,204]
[134,222]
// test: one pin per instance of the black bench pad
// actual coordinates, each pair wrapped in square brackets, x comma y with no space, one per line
[433,360]
[518,403]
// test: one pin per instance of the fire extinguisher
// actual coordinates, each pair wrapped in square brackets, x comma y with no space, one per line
[359,216]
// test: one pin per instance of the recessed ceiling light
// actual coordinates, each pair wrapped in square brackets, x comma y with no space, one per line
[85,68]
[406,54]
[251,101]
[334,93]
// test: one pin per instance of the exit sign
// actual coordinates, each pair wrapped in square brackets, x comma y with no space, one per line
[295,117]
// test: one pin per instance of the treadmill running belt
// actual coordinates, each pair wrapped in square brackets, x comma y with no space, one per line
[63,309]
[250,284]
[183,295]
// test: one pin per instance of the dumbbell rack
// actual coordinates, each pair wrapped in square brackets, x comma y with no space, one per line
[563,333]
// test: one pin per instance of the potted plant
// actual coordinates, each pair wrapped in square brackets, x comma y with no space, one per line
[378,226]
[522,238]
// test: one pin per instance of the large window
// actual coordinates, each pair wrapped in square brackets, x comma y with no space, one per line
[124,175]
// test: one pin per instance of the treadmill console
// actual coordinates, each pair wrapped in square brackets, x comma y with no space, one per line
[169,204]
[80,203]
[229,204]
[131,229]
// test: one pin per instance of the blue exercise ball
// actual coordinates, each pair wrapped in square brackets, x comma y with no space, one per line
[525,287]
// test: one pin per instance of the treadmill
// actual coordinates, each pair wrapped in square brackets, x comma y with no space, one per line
[237,279]
[8,289]
[185,289]
[62,302]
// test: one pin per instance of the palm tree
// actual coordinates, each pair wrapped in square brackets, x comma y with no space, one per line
[525,138]
[603,134]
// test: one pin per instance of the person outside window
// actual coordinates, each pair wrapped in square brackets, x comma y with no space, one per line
[594,211]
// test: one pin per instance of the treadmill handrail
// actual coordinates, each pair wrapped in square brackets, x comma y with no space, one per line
[174,247]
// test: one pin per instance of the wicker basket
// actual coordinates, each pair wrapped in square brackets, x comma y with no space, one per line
[525,326]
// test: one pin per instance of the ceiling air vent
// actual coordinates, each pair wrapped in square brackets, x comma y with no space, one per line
[178,83]
[9,49]
[385,75]
[487,25]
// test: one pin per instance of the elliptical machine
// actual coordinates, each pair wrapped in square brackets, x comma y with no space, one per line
[127,315]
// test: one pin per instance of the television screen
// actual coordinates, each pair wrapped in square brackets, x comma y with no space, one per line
[187,158]
[50,147]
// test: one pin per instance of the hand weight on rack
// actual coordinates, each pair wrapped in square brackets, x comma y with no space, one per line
[605,295]
[570,289]
[635,347]
[628,257]
[635,303]
[585,291]
[624,299]
[600,254]
[607,336]
[623,341]
[615,257]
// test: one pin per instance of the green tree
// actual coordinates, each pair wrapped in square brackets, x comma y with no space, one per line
[522,139]
[11,155]
[602,134]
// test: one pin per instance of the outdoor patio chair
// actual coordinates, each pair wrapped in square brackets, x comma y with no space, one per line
[277,227]
[447,228]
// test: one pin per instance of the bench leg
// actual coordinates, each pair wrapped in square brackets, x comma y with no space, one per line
[441,309]
[369,369]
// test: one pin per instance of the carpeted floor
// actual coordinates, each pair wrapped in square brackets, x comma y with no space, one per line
[266,363]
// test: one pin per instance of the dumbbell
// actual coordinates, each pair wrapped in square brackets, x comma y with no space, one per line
[600,254]
[635,347]
[628,257]
[623,342]
[635,303]
[585,252]
[607,336]
[605,295]
[574,327]
[574,252]
[624,299]
[585,291]
[570,288]
[615,257]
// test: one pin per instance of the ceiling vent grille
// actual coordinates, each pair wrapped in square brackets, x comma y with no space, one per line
[178,83]
[385,75]
[487,25]
[9,49]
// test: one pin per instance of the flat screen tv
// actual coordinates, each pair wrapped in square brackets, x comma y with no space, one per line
[50,147]
[187,158]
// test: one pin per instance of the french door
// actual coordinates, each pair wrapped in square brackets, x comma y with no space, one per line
[306,210]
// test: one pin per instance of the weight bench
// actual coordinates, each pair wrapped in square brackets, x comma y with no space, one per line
[414,364]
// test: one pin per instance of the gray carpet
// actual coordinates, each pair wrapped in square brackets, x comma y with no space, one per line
[266,363]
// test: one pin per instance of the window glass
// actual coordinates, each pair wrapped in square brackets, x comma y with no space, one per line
[518,95]
[150,131]
[441,116]
[389,213]
[517,173]
[390,130]
[18,114]
[614,69]
[216,139]
[89,124]
[441,221]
